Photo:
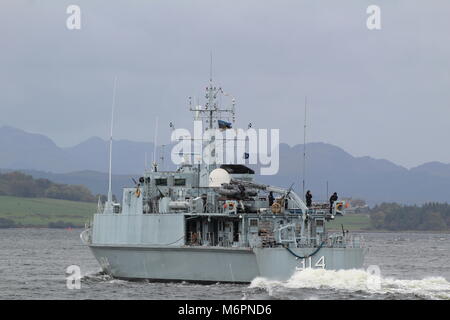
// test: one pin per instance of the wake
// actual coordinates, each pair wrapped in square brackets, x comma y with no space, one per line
[358,280]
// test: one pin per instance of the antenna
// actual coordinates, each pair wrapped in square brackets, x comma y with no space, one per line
[304,150]
[155,141]
[111,140]
[210,67]
[162,156]
[145,161]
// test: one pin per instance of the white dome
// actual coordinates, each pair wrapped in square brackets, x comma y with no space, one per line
[217,177]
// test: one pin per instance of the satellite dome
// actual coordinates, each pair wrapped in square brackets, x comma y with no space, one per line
[217,177]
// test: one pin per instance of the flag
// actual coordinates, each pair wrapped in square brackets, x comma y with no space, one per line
[224,124]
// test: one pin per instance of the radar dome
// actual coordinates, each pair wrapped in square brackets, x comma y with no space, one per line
[217,177]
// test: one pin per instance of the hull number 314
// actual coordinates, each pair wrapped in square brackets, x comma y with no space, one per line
[307,263]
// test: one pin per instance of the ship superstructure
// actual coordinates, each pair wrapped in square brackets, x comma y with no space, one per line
[211,222]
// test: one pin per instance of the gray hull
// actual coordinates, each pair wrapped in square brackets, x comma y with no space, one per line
[212,264]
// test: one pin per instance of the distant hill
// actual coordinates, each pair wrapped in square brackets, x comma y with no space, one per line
[437,169]
[23,150]
[19,184]
[93,154]
[375,180]
[96,182]
[394,217]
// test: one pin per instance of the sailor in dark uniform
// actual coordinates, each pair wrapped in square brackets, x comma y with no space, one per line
[271,198]
[308,198]
[333,198]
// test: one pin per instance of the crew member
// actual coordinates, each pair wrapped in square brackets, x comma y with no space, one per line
[271,198]
[308,198]
[333,198]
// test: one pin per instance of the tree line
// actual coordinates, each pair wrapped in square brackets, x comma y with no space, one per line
[18,184]
[393,216]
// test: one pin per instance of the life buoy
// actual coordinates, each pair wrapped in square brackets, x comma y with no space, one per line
[138,193]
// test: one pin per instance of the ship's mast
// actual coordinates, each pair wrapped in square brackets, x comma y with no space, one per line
[155,142]
[108,206]
[210,114]
[304,152]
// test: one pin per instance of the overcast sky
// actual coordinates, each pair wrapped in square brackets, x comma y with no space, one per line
[382,93]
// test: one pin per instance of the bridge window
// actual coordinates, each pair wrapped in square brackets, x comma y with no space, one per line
[161,182]
[179,182]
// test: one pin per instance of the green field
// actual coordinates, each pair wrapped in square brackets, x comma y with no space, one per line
[358,221]
[39,212]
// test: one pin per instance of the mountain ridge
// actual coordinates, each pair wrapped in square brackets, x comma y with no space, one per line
[376,180]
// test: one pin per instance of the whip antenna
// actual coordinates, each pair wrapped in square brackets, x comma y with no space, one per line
[111,140]
[210,67]
[304,151]
[155,141]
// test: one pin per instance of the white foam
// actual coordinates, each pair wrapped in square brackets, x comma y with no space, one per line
[358,280]
[96,276]
[117,281]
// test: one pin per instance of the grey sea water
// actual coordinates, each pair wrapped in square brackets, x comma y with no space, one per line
[413,266]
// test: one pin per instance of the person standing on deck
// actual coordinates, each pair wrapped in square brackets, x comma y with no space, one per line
[333,198]
[271,198]
[308,198]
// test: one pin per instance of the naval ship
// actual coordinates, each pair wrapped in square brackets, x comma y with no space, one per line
[211,222]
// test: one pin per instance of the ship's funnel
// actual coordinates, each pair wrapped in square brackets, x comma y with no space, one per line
[217,177]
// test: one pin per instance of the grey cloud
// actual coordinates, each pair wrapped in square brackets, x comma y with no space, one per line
[379,93]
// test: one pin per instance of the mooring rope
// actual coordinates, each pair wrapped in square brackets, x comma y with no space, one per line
[307,256]
[168,244]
